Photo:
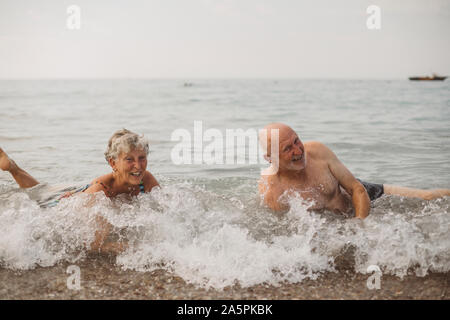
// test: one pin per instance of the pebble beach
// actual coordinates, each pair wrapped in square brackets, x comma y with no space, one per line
[100,280]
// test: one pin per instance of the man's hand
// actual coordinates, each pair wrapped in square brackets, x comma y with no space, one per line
[360,199]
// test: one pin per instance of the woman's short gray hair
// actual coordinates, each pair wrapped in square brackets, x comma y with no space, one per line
[125,141]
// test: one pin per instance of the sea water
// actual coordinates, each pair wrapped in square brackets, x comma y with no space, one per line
[207,223]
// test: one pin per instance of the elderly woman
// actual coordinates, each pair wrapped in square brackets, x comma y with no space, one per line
[127,155]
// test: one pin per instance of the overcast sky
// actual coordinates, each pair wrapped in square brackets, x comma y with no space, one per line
[223,39]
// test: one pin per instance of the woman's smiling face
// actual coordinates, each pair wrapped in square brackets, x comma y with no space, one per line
[130,166]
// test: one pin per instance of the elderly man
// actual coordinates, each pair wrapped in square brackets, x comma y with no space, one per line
[314,172]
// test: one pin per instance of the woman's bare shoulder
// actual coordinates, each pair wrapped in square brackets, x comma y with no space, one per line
[149,181]
[100,184]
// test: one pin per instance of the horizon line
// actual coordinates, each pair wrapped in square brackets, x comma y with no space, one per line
[198,78]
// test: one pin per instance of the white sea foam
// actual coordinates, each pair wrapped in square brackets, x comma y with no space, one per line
[212,241]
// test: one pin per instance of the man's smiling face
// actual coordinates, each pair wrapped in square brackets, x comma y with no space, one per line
[292,151]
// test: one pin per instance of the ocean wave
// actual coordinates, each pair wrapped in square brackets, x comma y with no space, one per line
[214,241]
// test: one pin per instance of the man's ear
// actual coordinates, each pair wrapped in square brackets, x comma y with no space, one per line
[267,158]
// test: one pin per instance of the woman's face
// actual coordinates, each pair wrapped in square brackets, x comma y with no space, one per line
[130,166]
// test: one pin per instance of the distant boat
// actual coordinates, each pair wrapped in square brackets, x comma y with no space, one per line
[435,77]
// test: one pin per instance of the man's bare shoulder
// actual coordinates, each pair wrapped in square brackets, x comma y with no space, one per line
[269,184]
[316,149]
[269,191]
[264,184]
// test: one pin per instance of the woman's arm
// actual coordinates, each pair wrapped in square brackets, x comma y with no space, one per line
[103,227]
[100,245]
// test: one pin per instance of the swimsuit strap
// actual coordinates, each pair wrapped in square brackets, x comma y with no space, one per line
[66,195]
[104,186]
[84,188]
[141,187]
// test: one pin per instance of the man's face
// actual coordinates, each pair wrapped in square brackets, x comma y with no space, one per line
[292,151]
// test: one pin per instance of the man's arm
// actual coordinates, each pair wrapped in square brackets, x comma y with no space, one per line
[360,198]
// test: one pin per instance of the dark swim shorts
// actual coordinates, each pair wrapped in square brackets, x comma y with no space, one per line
[374,190]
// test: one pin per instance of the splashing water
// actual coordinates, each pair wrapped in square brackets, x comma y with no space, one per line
[216,240]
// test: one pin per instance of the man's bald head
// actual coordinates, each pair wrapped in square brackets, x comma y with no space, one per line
[273,130]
